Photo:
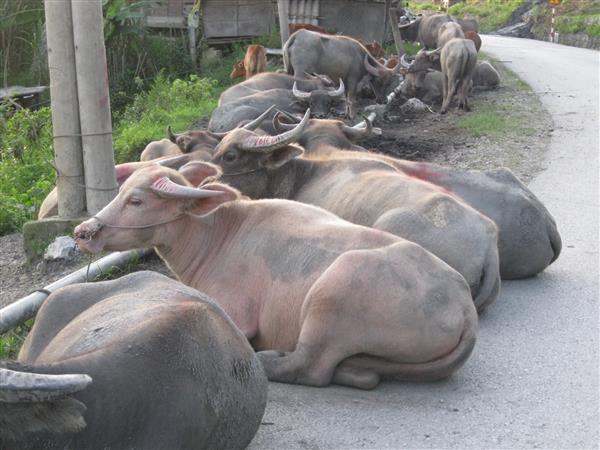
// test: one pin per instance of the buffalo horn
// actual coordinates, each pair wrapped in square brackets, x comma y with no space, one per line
[254,124]
[339,92]
[432,52]
[172,136]
[167,188]
[18,387]
[266,144]
[297,93]
[283,126]
[372,70]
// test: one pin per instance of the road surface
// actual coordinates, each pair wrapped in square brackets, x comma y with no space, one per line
[533,378]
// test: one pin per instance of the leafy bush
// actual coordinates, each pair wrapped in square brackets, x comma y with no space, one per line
[11,342]
[492,14]
[178,103]
[25,173]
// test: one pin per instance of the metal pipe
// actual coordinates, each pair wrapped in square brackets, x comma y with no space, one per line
[26,307]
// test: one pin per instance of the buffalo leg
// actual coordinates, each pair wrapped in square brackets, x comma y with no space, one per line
[463,94]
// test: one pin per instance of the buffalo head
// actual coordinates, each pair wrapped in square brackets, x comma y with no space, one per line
[322,103]
[382,80]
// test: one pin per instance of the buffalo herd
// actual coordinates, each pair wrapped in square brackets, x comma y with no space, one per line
[301,257]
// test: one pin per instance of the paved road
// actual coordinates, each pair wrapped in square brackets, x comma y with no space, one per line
[533,378]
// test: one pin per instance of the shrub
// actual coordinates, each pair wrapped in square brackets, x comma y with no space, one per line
[25,173]
[178,103]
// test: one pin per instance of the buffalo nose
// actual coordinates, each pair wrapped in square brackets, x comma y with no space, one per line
[87,229]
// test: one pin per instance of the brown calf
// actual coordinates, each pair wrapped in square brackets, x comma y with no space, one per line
[475,38]
[255,61]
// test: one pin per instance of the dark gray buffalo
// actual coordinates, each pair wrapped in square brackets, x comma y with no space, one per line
[458,59]
[528,238]
[272,80]
[322,103]
[424,29]
[338,57]
[370,193]
[142,362]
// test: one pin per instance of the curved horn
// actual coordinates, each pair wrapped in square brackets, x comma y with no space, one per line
[280,126]
[361,130]
[174,162]
[339,92]
[372,70]
[254,124]
[299,94]
[35,387]
[431,52]
[172,136]
[266,144]
[167,188]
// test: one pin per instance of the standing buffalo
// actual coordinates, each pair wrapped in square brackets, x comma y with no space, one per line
[447,31]
[140,362]
[255,61]
[424,29]
[475,38]
[370,193]
[321,299]
[458,59]
[338,57]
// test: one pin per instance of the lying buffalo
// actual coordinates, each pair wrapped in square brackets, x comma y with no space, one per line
[528,239]
[270,80]
[158,149]
[458,59]
[370,193]
[424,29]
[306,287]
[338,57]
[322,103]
[141,362]
[426,85]
[485,76]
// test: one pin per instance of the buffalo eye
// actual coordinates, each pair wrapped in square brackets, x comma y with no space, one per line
[230,156]
[134,201]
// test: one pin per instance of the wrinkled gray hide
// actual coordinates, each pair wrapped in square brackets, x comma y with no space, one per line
[169,370]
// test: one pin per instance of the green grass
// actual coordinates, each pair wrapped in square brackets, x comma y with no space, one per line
[11,342]
[491,122]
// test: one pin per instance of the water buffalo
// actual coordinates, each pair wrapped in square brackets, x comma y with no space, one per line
[458,59]
[271,80]
[322,103]
[485,76]
[426,85]
[424,29]
[158,149]
[370,193]
[307,288]
[447,31]
[528,238]
[293,27]
[140,362]
[255,61]
[475,38]
[338,57]
[469,24]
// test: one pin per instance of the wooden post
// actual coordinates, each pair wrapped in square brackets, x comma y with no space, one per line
[283,10]
[65,109]
[396,32]
[94,104]
[386,21]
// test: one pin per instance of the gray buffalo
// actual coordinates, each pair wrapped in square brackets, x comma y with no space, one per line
[424,29]
[426,85]
[306,287]
[370,193]
[322,103]
[485,76]
[338,57]
[272,80]
[528,238]
[447,31]
[141,362]
[458,59]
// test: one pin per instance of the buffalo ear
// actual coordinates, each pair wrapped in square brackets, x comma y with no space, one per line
[281,156]
[198,172]
[124,171]
[206,205]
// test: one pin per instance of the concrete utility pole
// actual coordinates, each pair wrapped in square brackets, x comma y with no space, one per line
[283,11]
[65,109]
[94,103]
